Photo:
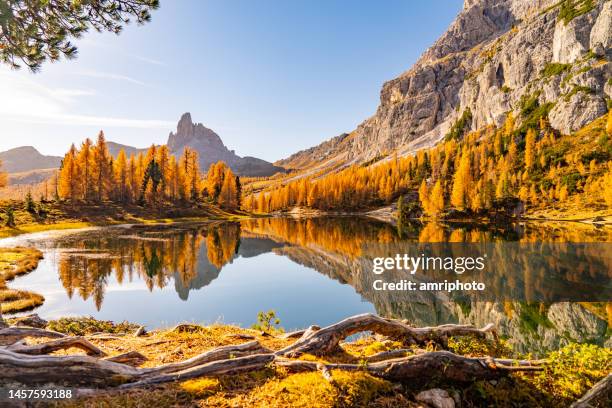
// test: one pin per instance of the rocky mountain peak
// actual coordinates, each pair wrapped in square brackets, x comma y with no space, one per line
[211,149]
[495,55]
[194,135]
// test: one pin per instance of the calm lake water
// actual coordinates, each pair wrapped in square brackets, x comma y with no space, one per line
[317,271]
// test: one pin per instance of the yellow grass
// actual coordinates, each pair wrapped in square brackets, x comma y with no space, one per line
[15,262]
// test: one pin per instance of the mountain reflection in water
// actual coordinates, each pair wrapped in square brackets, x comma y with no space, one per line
[190,257]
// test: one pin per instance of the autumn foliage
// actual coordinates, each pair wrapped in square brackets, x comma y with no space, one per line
[156,177]
[482,172]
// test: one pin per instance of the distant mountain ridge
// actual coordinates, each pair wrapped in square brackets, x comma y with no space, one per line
[27,158]
[205,141]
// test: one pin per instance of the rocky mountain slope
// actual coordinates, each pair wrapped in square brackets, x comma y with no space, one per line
[25,159]
[498,56]
[211,149]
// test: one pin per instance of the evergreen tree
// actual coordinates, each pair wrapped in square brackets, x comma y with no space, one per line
[36,31]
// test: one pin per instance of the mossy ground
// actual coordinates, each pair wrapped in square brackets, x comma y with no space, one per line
[571,372]
[15,262]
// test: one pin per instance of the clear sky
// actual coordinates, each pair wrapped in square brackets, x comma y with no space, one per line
[270,77]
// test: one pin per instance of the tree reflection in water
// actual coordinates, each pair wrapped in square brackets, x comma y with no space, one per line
[343,248]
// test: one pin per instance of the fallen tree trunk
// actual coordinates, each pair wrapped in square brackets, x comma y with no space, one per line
[13,334]
[211,369]
[219,353]
[18,364]
[599,395]
[435,365]
[63,370]
[326,340]
[131,358]
[59,344]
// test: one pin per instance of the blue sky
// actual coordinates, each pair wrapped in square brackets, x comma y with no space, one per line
[270,77]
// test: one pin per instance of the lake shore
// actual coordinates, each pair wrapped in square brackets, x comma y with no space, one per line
[13,263]
[344,376]
[53,216]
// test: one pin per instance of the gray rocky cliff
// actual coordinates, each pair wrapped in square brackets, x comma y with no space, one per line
[493,55]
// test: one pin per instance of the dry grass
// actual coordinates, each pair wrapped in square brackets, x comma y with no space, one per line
[572,371]
[15,262]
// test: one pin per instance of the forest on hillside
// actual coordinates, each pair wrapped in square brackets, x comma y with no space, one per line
[473,173]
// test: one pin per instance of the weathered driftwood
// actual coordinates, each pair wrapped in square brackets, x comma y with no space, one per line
[13,334]
[140,331]
[131,358]
[211,369]
[54,345]
[387,355]
[219,353]
[326,340]
[64,370]
[298,333]
[598,396]
[442,365]
[19,365]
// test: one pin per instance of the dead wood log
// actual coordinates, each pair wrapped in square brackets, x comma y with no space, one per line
[131,358]
[386,355]
[63,370]
[425,367]
[219,353]
[141,331]
[92,372]
[599,395]
[12,335]
[213,368]
[325,372]
[54,345]
[299,333]
[327,339]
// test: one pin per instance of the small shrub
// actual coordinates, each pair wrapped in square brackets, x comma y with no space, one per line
[267,322]
[570,9]
[576,89]
[80,326]
[553,69]
[10,217]
[460,126]
[30,204]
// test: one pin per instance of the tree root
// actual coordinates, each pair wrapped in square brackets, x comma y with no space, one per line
[131,358]
[443,365]
[22,363]
[219,353]
[326,340]
[59,344]
[599,395]
[12,335]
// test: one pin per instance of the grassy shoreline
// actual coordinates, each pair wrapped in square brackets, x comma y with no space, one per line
[567,375]
[52,216]
[15,262]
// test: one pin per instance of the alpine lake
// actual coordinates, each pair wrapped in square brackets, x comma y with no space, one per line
[547,283]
